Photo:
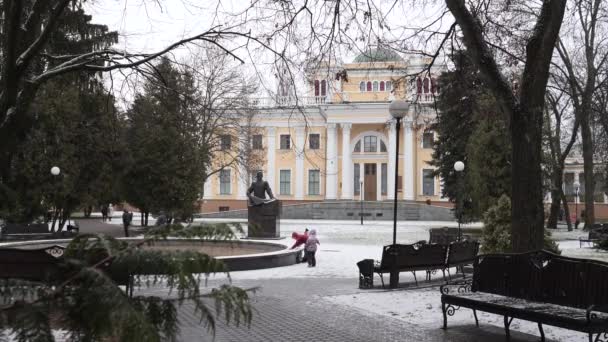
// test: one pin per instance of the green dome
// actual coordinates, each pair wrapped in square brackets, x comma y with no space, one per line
[378,55]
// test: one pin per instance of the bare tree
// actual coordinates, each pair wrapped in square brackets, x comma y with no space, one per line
[583,50]
[561,136]
[224,111]
[524,110]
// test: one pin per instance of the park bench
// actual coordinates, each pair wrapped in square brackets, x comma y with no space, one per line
[539,286]
[596,234]
[31,264]
[419,256]
[17,231]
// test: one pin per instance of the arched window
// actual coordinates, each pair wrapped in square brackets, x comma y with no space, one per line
[362,86]
[357,146]
[418,86]
[426,85]
[369,86]
[389,85]
[316,87]
[375,85]
[382,86]
[433,86]
[382,146]
[323,88]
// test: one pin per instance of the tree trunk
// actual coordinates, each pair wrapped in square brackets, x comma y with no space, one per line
[588,169]
[147,218]
[566,210]
[554,209]
[527,210]
[555,196]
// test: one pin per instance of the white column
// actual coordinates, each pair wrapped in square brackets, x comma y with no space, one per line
[331,174]
[605,198]
[347,163]
[392,138]
[270,158]
[379,181]
[409,165]
[242,176]
[299,151]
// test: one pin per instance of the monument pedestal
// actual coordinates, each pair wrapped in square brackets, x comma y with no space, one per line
[263,220]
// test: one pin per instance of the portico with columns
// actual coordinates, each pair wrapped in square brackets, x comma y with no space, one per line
[338,141]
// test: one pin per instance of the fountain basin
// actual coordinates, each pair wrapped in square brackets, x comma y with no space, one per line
[237,255]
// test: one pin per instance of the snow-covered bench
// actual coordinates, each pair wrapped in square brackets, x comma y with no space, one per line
[419,256]
[539,286]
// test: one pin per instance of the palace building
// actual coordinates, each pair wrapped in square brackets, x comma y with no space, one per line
[337,141]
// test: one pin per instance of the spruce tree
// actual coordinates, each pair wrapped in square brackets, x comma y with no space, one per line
[166,159]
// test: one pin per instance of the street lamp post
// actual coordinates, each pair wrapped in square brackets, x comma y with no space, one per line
[459,167]
[361,199]
[55,171]
[398,110]
[577,187]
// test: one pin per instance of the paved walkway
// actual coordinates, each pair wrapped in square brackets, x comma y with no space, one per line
[296,309]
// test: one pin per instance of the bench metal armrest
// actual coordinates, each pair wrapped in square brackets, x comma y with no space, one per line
[590,311]
[456,287]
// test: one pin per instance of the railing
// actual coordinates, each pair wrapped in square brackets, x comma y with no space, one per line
[338,97]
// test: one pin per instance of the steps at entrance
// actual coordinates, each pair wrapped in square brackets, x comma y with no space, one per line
[351,210]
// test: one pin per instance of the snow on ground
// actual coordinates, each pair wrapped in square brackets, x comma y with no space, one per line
[423,308]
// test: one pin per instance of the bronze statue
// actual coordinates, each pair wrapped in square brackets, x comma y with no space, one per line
[259,188]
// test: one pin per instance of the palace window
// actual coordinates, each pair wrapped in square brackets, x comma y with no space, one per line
[314,141]
[419,86]
[285,142]
[389,85]
[316,87]
[375,86]
[427,140]
[426,85]
[225,142]
[323,88]
[314,182]
[369,86]
[362,87]
[357,146]
[370,143]
[384,179]
[357,177]
[285,182]
[382,86]
[256,142]
[382,146]
[428,182]
[225,182]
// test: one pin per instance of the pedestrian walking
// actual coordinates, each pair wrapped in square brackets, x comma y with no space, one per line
[127,217]
[110,212]
[104,213]
[311,248]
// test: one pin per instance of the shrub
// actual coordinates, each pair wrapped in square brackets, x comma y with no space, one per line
[496,234]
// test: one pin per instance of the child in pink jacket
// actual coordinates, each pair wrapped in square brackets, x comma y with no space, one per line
[311,248]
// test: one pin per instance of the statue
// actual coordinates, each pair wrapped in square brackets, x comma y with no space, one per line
[262,213]
[259,188]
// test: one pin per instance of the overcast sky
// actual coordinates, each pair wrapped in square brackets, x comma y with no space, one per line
[150,25]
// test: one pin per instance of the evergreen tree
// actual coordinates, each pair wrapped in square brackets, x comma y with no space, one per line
[471,129]
[166,164]
[455,122]
[64,117]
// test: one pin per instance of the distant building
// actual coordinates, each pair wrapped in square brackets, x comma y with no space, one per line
[337,141]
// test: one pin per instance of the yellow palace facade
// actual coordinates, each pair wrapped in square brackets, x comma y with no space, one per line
[338,140]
